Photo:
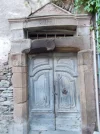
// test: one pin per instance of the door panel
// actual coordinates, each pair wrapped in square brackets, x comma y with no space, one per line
[67,102]
[68,122]
[41,97]
[42,94]
[65,93]
[42,121]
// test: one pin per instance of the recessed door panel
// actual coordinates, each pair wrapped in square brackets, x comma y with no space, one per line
[42,93]
[42,121]
[70,122]
[65,92]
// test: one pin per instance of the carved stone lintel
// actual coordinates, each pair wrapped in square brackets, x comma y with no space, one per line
[43,45]
[75,44]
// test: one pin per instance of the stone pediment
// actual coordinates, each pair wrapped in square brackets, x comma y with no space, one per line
[50,9]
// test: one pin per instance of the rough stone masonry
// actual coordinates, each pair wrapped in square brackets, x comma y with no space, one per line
[6,98]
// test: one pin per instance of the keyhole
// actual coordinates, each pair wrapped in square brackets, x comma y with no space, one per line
[64,91]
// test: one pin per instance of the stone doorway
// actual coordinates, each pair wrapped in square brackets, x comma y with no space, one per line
[79,42]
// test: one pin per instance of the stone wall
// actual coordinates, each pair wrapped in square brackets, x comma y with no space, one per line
[6,98]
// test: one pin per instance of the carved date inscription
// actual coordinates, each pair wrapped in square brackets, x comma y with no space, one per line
[47,22]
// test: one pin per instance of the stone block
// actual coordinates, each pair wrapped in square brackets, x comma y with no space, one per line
[20,46]
[80,58]
[75,42]
[20,112]
[19,69]
[83,31]
[3,109]
[87,41]
[20,95]
[88,58]
[85,57]
[90,98]
[18,60]
[80,42]
[6,103]
[4,84]
[82,95]
[2,99]
[3,77]
[18,128]
[84,21]
[87,91]
[17,34]
[19,80]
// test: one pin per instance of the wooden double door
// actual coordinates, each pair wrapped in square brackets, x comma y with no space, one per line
[54,105]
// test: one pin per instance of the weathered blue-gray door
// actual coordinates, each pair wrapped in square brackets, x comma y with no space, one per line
[53,93]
